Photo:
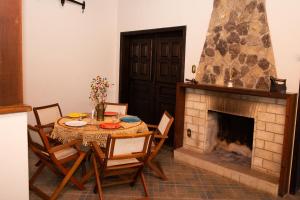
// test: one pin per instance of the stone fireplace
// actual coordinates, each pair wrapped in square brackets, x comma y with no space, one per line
[267,114]
[230,123]
[257,149]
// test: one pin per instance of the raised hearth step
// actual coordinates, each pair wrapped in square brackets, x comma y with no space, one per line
[241,174]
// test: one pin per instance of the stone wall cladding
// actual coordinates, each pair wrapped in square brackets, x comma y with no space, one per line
[238,46]
[269,117]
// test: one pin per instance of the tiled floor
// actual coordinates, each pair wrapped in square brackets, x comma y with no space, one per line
[184,183]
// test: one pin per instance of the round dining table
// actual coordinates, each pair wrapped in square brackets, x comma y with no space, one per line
[92,131]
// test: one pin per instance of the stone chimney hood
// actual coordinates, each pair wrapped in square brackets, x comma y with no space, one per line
[238,46]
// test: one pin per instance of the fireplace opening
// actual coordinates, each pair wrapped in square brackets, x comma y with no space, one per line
[230,137]
[235,129]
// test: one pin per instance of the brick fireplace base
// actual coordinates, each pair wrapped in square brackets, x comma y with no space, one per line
[240,174]
[273,115]
[269,120]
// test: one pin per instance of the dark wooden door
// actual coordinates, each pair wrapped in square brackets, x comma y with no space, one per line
[151,65]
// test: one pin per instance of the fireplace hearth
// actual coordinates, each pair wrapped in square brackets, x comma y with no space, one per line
[224,156]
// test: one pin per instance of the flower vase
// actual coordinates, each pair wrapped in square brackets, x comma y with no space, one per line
[99,109]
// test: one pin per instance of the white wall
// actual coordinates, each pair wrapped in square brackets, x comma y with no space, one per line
[283,19]
[195,14]
[63,49]
[14,156]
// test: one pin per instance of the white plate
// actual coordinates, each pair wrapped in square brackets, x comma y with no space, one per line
[75,123]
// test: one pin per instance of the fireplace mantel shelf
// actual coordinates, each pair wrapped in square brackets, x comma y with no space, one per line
[241,91]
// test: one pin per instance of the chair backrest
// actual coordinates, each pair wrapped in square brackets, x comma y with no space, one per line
[127,146]
[165,123]
[38,141]
[120,108]
[46,115]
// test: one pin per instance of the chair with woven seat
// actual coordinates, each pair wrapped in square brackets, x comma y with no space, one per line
[161,132]
[46,116]
[125,154]
[55,158]
[120,108]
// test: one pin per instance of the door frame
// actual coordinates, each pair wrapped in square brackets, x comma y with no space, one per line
[124,54]
[296,152]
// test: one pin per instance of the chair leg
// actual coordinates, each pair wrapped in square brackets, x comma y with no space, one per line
[68,176]
[98,181]
[86,159]
[53,169]
[38,163]
[158,171]
[95,188]
[83,167]
[35,175]
[87,176]
[37,191]
[33,188]
[135,177]
[73,179]
[144,183]
[89,155]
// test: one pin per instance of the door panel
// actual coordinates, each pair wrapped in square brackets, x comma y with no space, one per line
[141,100]
[140,80]
[176,48]
[165,101]
[169,60]
[168,72]
[141,59]
[151,65]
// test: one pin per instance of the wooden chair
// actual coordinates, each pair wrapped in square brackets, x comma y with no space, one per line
[160,135]
[120,108]
[46,116]
[55,159]
[125,154]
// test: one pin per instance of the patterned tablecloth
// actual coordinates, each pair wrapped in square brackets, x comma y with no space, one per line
[92,131]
